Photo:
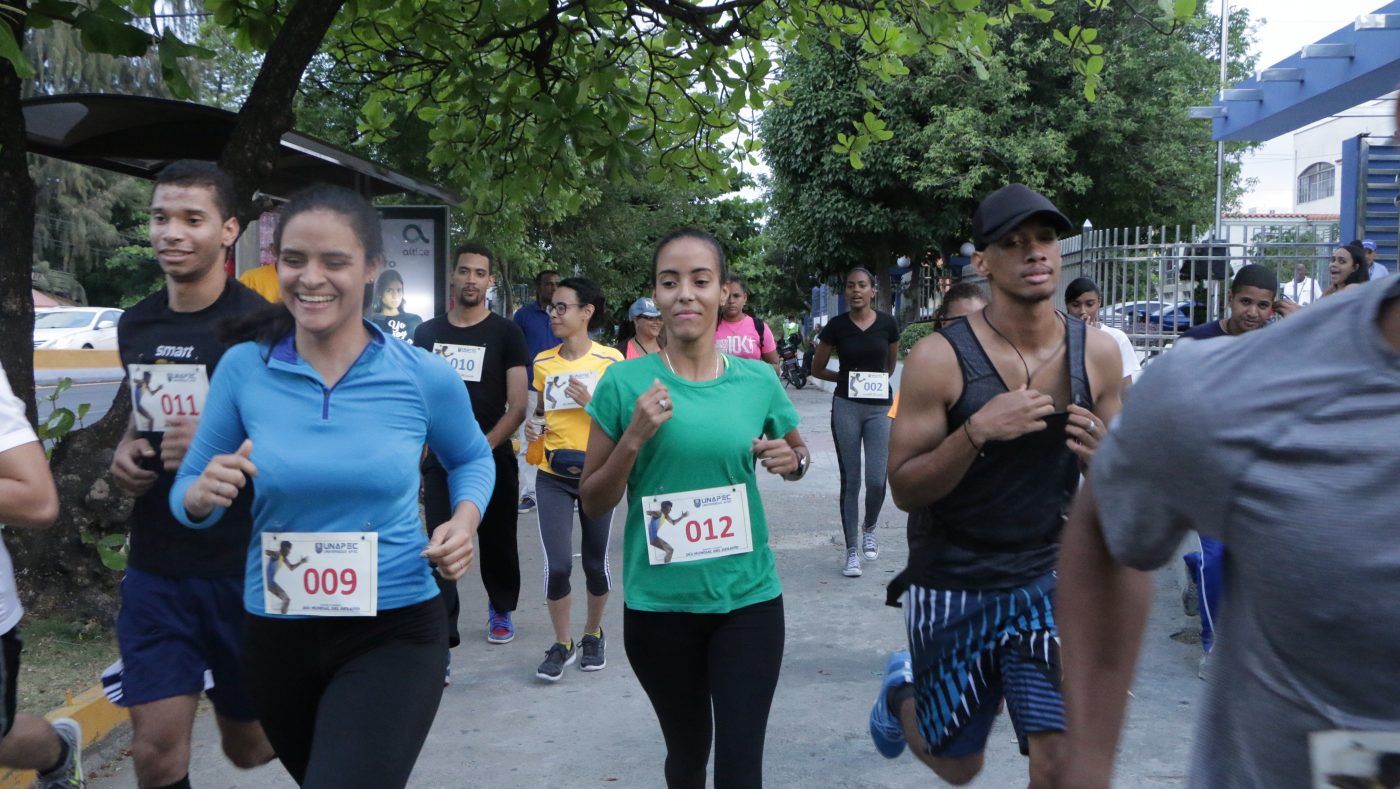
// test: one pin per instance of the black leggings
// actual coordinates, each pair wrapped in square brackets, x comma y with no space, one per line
[348,702]
[691,663]
[498,554]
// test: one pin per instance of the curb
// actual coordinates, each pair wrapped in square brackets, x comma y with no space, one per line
[91,709]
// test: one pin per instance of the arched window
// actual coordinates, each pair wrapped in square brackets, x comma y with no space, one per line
[1316,182]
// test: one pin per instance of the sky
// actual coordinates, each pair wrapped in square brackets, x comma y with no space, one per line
[1286,26]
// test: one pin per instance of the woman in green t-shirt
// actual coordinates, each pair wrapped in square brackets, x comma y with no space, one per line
[703,617]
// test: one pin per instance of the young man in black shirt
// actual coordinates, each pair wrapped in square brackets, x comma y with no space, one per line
[1000,413]
[1253,294]
[490,355]
[182,597]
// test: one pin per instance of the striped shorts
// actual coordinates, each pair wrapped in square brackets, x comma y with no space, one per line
[970,650]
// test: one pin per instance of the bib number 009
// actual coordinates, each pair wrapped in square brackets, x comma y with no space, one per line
[328,581]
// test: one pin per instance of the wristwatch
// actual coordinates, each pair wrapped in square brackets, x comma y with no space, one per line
[803,461]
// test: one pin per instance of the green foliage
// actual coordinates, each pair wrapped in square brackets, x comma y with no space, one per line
[60,421]
[913,333]
[111,548]
[1131,157]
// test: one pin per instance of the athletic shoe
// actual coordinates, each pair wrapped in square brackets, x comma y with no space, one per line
[592,648]
[555,660]
[527,504]
[70,774]
[499,628]
[885,728]
[869,546]
[852,564]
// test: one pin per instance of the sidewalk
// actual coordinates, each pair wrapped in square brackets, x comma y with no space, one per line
[500,727]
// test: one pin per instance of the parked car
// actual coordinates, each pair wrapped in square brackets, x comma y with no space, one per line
[1177,317]
[77,327]
[1127,315]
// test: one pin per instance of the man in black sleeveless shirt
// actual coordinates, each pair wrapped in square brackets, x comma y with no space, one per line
[999,415]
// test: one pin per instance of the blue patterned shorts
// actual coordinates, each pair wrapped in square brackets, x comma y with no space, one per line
[970,650]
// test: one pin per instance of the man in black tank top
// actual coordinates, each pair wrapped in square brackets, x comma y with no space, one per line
[999,415]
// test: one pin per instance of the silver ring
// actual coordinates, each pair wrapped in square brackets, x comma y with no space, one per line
[1091,428]
[665,404]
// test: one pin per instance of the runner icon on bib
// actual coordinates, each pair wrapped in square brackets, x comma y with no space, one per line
[867,386]
[716,524]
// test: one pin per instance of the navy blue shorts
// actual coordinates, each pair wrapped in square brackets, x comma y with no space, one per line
[170,632]
[10,647]
[970,650]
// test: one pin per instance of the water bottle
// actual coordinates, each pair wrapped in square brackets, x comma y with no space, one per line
[534,451]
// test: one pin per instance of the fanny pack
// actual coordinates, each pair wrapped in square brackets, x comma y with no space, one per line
[566,463]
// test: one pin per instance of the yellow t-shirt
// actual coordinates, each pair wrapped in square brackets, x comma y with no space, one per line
[263,280]
[567,428]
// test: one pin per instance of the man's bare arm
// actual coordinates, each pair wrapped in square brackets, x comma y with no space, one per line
[1101,607]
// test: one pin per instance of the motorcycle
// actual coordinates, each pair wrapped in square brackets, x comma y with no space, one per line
[792,370]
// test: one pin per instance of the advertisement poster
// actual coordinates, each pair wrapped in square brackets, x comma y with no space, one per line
[412,285]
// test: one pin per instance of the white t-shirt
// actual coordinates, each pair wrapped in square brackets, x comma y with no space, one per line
[1300,292]
[1131,365]
[14,431]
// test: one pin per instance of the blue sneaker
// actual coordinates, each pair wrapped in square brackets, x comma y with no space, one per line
[885,728]
[499,628]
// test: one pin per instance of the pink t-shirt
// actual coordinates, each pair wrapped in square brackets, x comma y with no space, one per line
[740,338]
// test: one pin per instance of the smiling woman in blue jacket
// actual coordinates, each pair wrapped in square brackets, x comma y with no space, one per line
[346,671]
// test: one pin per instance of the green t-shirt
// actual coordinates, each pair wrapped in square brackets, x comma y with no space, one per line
[707,443]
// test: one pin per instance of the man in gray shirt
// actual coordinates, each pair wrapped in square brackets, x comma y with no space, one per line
[1280,461]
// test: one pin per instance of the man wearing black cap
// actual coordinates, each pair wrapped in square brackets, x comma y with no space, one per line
[1003,412]
[1252,295]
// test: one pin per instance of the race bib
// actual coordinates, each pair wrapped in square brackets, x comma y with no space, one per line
[1353,758]
[465,359]
[698,524]
[556,395]
[868,386]
[162,391]
[320,573]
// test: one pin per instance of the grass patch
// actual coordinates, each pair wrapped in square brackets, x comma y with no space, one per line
[61,656]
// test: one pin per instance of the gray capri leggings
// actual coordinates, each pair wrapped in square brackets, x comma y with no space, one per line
[854,424]
[555,497]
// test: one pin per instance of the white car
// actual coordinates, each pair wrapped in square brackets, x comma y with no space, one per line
[77,327]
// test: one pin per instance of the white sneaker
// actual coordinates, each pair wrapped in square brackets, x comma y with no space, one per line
[70,773]
[852,564]
[868,546]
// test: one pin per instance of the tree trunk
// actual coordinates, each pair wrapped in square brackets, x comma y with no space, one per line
[267,114]
[16,229]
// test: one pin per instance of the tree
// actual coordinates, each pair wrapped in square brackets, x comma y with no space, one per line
[1130,157]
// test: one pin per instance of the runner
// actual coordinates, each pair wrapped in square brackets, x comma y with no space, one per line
[533,320]
[1001,411]
[1083,300]
[565,377]
[388,308]
[1253,294]
[488,352]
[1348,267]
[645,336]
[276,560]
[739,333]
[141,390]
[28,499]
[704,631]
[867,344]
[654,518]
[332,416]
[180,598]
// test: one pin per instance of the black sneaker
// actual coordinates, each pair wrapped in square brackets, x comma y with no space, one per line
[555,660]
[592,648]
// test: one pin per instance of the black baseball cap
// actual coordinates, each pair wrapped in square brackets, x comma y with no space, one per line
[1005,209]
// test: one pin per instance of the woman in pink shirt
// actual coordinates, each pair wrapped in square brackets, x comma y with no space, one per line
[740,334]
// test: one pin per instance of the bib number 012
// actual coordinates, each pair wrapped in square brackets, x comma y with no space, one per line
[694,533]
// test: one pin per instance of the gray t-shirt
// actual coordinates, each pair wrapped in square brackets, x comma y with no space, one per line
[1285,445]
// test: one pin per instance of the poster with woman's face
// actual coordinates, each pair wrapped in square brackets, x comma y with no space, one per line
[411,280]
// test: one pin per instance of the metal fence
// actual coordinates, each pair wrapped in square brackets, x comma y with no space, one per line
[1157,282]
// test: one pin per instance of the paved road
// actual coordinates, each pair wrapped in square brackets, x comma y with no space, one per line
[498,726]
[97,394]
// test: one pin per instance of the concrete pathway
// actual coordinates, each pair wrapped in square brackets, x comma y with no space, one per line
[500,727]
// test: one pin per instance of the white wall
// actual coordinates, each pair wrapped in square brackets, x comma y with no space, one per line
[1322,142]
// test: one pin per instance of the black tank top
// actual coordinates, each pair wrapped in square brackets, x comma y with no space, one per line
[1000,527]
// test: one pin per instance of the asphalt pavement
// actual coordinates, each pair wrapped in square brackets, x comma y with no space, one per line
[499,726]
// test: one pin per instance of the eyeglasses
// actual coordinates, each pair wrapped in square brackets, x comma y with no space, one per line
[559,307]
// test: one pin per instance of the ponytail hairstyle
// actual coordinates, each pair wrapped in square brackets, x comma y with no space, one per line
[269,326]
[588,294]
[699,235]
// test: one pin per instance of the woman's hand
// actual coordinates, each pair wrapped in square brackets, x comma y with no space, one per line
[578,392]
[777,456]
[451,547]
[220,482]
[530,433]
[653,409]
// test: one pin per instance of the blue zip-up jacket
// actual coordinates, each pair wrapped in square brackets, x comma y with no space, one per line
[343,458]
